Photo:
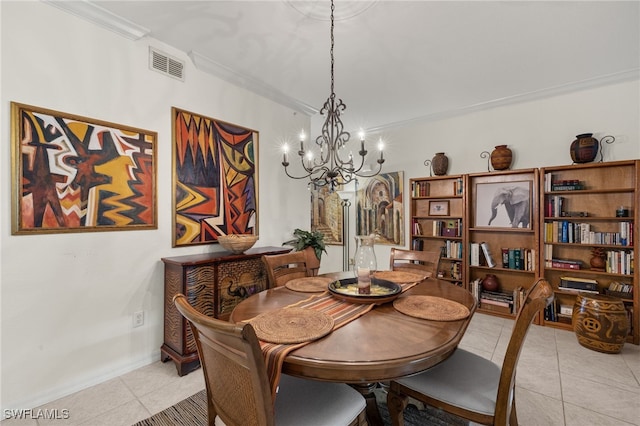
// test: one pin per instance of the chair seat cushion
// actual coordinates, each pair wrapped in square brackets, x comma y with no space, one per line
[313,403]
[463,380]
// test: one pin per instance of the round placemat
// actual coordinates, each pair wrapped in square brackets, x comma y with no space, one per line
[308,284]
[431,308]
[401,277]
[292,325]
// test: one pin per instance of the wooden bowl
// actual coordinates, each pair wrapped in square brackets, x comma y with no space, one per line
[237,243]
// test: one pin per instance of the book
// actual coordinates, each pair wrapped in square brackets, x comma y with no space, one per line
[581,285]
[474,254]
[487,255]
[505,257]
[576,290]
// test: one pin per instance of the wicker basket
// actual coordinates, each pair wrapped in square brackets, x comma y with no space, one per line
[237,243]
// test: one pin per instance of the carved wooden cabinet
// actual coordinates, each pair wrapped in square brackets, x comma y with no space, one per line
[214,283]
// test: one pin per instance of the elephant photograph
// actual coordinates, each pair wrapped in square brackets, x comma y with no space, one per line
[503,204]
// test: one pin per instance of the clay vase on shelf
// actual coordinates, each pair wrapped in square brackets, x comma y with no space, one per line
[598,259]
[440,164]
[490,283]
[501,158]
[584,149]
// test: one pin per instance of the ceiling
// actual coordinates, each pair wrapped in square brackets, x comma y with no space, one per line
[395,61]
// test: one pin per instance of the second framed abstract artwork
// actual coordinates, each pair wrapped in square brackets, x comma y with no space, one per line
[215,179]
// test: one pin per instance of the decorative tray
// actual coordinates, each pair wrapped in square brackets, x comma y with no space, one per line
[382,291]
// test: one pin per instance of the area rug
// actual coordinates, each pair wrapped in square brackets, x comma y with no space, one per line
[193,412]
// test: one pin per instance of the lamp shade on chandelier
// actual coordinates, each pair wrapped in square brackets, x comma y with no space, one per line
[331,162]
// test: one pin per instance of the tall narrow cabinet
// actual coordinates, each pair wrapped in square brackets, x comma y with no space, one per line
[502,235]
[438,210]
[589,208]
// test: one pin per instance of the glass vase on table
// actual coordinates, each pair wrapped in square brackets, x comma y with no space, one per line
[365,262]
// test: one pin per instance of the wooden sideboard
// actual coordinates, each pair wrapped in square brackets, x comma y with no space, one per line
[214,283]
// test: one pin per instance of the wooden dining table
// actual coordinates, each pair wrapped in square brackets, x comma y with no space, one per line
[381,345]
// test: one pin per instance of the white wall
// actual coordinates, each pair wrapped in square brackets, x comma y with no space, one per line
[67,299]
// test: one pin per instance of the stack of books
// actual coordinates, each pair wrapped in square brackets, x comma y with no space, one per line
[566,264]
[576,284]
[497,301]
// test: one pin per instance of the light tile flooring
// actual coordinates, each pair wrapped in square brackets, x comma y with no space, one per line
[558,383]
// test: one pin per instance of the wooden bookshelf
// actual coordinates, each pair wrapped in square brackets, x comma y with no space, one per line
[578,213]
[438,211]
[511,190]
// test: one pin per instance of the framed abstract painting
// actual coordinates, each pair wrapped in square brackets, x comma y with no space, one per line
[79,174]
[215,179]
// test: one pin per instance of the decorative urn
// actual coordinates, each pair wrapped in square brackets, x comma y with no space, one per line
[490,283]
[501,157]
[440,164]
[584,149]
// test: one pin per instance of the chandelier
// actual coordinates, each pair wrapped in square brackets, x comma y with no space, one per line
[335,165]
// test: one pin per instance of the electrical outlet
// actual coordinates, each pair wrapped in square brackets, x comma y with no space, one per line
[138,318]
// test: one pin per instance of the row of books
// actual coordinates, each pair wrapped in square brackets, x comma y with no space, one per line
[551,183]
[440,228]
[520,258]
[625,290]
[452,249]
[421,189]
[580,233]
[620,262]
[554,206]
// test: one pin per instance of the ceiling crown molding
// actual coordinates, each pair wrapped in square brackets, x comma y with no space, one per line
[93,13]
[619,77]
[207,65]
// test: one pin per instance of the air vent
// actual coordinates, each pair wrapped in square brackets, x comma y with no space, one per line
[161,62]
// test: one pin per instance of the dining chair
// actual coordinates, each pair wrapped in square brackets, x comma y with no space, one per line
[284,267]
[238,390]
[468,385]
[407,260]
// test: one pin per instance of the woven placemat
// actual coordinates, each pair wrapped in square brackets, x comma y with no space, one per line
[431,308]
[308,284]
[400,277]
[292,325]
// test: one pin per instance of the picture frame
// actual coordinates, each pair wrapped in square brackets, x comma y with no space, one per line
[439,208]
[327,216]
[215,179]
[503,204]
[78,174]
[379,207]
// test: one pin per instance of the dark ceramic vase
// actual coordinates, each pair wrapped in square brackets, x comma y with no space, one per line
[490,283]
[501,158]
[584,149]
[440,164]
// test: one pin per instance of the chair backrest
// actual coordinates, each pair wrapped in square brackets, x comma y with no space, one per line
[284,267]
[422,261]
[235,375]
[537,298]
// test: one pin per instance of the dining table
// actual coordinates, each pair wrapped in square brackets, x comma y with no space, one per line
[378,346]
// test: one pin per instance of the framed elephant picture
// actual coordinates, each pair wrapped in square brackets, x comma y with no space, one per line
[503,204]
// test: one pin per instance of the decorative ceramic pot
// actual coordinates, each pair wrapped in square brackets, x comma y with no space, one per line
[501,158]
[440,164]
[600,322]
[584,149]
[490,283]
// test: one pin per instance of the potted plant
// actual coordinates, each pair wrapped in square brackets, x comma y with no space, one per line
[313,243]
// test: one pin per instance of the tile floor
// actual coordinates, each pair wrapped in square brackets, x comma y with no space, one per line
[558,383]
